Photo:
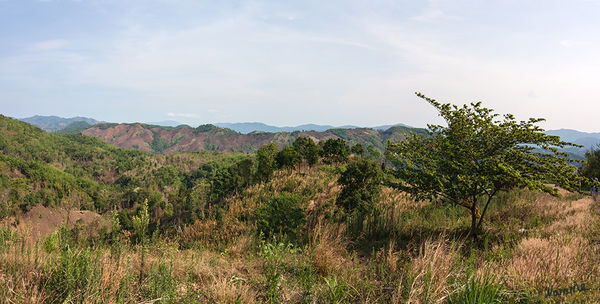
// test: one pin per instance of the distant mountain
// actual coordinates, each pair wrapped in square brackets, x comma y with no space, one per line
[589,140]
[249,127]
[385,127]
[55,123]
[159,139]
[165,123]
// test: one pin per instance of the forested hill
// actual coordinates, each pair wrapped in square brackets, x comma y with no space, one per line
[84,172]
[160,139]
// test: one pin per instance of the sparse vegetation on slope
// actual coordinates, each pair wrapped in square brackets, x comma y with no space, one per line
[308,223]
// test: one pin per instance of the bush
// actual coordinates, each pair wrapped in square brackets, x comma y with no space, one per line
[361,186]
[282,215]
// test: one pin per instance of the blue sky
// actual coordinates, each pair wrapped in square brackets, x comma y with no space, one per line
[295,62]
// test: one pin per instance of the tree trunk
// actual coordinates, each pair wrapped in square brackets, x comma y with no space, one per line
[473,231]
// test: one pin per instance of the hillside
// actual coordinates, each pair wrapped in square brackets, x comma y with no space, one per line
[212,138]
[55,170]
[115,225]
[55,123]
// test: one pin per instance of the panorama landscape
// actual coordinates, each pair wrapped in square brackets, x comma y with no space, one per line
[299,152]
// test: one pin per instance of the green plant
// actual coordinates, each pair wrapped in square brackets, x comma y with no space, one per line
[162,284]
[484,289]
[281,215]
[361,186]
[140,224]
[75,278]
[51,242]
[338,290]
[6,236]
[274,253]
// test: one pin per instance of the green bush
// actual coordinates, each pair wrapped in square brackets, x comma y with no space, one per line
[281,215]
[361,186]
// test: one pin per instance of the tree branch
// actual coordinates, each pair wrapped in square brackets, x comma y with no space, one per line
[485,208]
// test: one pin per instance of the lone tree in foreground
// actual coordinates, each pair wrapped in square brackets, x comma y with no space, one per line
[478,155]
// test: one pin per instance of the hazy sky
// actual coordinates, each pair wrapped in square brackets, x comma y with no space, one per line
[295,62]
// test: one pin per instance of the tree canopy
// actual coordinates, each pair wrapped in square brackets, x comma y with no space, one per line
[477,155]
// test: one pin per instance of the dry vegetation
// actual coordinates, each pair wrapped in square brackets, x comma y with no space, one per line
[417,253]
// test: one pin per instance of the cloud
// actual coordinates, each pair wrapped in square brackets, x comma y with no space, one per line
[48,45]
[184,115]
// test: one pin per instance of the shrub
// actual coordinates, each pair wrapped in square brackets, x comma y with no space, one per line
[282,214]
[361,186]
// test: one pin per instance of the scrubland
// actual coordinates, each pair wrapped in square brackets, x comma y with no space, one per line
[407,252]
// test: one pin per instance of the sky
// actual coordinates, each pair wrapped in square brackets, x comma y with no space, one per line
[294,62]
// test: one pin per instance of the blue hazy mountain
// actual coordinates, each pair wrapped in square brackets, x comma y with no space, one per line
[587,140]
[165,123]
[249,127]
[55,123]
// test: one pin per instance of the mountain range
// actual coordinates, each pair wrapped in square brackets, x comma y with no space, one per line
[171,136]
[55,123]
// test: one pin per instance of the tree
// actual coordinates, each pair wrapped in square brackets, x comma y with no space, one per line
[476,156]
[591,167]
[288,158]
[336,150]
[312,153]
[361,186]
[281,214]
[266,161]
[307,149]
[358,150]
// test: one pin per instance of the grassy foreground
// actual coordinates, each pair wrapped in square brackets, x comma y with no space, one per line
[536,249]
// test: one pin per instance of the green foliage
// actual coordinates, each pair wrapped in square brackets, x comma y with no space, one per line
[361,185]
[358,149]
[338,289]
[162,284]
[51,243]
[476,156]
[288,158]
[484,289]
[274,254]
[75,278]
[158,144]
[141,221]
[335,150]
[6,235]
[266,158]
[281,215]
[307,149]
[231,180]
[591,166]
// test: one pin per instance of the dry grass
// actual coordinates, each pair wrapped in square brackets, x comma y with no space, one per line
[432,271]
